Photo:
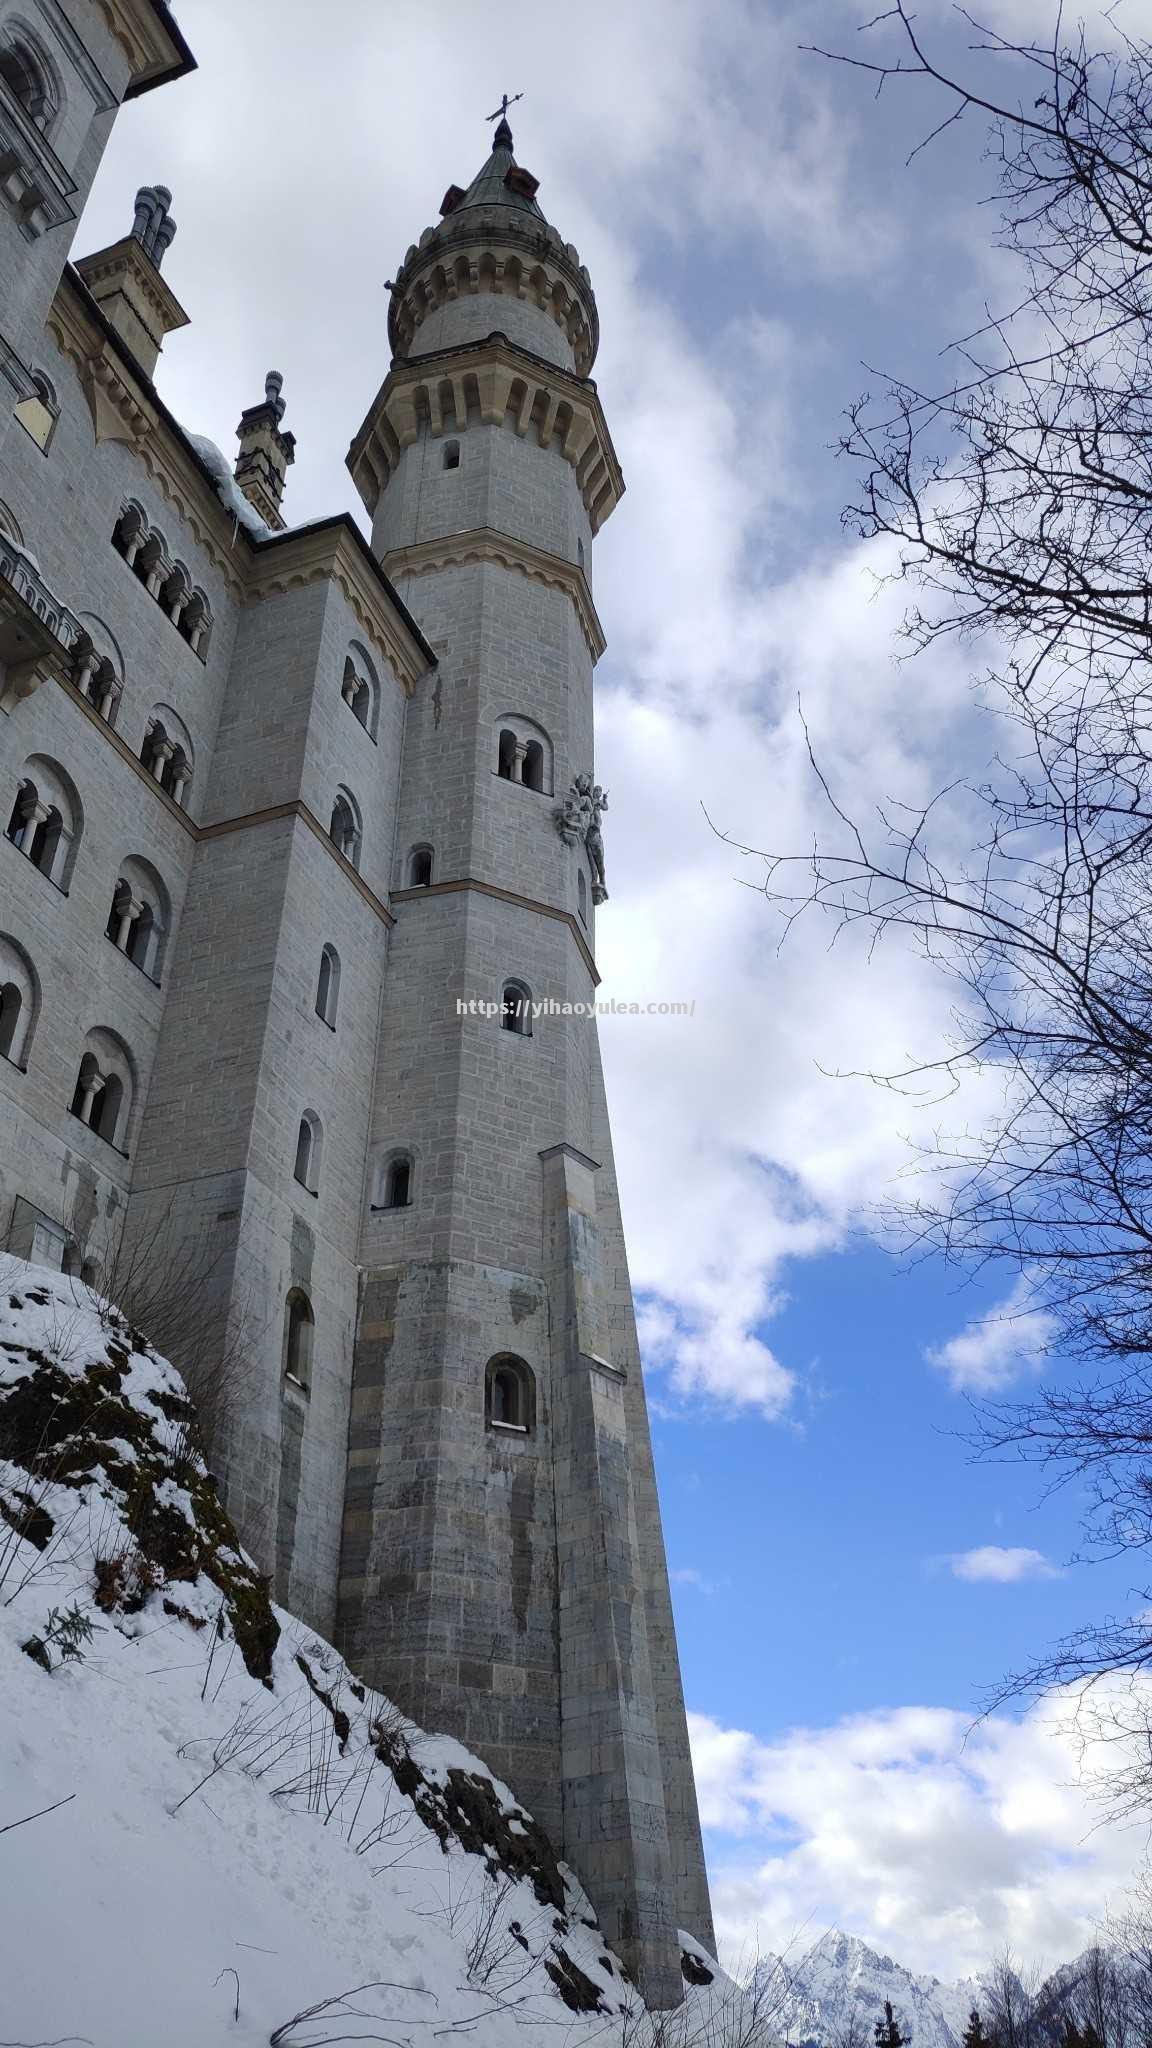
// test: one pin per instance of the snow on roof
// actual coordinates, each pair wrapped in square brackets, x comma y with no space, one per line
[228,490]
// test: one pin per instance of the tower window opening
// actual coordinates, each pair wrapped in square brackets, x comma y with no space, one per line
[360,697]
[299,1323]
[397,1189]
[582,895]
[506,756]
[451,457]
[328,986]
[11,1004]
[308,1143]
[344,829]
[19,1002]
[533,776]
[98,1099]
[105,1088]
[516,1009]
[45,820]
[509,1394]
[420,868]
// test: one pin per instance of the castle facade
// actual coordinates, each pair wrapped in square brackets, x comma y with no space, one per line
[299,875]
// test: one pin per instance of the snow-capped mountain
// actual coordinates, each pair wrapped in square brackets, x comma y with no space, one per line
[836,1992]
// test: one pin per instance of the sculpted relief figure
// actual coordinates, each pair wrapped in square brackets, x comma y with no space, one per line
[578,818]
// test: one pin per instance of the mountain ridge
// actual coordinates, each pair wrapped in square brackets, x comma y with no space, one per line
[834,1995]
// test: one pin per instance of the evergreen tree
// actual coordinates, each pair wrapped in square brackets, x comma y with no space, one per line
[974,2035]
[887,2030]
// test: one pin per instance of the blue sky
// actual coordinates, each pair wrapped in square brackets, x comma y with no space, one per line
[755,241]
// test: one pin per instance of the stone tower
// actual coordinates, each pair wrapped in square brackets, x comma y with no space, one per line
[293,828]
[502,1568]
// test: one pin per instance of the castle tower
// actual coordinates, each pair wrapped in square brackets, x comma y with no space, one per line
[502,1571]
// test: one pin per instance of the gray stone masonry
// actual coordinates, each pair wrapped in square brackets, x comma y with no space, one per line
[429,1408]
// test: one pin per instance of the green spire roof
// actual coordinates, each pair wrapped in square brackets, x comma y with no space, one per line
[491,185]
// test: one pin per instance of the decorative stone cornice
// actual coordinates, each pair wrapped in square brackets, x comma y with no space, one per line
[486,544]
[313,554]
[125,408]
[470,883]
[503,384]
[505,252]
[151,41]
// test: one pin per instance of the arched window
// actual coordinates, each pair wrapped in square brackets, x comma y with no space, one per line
[130,532]
[344,829]
[139,915]
[195,623]
[102,1097]
[509,1394]
[19,1002]
[109,1103]
[582,895]
[420,867]
[309,1140]
[299,1323]
[328,986]
[580,553]
[11,1009]
[524,753]
[96,672]
[360,691]
[28,77]
[166,752]
[152,563]
[45,819]
[90,1273]
[175,593]
[451,456]
[397,1188]
[516,1009]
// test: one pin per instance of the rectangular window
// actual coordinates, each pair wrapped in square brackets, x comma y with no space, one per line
[37,419]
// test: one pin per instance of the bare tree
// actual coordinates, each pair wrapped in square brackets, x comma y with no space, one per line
[177,1290]
[1017,500]
[1012,2005]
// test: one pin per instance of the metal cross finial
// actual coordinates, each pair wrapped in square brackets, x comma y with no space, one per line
[501,113]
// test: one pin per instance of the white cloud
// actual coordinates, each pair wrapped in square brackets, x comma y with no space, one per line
[688,1575]
[997,1348]
[1004,1567]
[938,1842]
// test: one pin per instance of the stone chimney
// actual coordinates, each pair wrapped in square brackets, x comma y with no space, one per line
[125,280]
[265,453]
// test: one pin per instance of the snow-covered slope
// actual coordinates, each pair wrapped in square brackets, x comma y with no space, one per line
[837,1991]
[210,1832]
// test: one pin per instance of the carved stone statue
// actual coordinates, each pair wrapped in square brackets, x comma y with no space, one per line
[578,818]
[594,841]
